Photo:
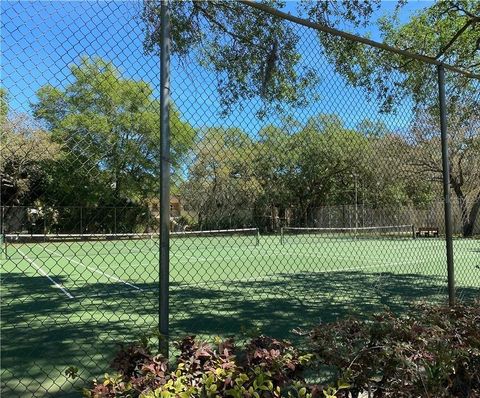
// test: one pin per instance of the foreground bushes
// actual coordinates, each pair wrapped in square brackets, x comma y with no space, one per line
[262,368]
[433,352]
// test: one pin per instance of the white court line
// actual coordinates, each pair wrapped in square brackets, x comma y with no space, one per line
[96,270]
[277,252]
[39,269]
[323,257]
[328,258]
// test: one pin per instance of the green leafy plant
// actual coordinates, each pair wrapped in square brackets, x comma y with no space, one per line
[431,352]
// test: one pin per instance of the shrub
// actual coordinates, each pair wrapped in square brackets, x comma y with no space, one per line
[433,352]
[265,367]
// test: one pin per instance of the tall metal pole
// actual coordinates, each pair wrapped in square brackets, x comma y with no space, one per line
[163,308]
[446,185]
[115,220]
[81,221]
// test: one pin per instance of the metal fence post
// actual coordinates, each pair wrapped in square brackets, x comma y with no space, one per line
[115,220]
[81,220]
[446,185]
[164,176]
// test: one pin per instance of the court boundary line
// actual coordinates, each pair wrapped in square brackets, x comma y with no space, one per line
[39,269]
[322,256]
[115,278]
[374,262]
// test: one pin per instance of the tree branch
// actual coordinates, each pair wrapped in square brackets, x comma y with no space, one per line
[211,19]
[456,36]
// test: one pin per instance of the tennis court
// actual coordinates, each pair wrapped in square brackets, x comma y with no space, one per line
[129,261]
[67,293]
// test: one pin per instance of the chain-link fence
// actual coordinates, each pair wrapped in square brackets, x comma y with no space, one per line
[305,181]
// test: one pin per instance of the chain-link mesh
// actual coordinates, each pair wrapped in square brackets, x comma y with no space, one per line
[80,139]
[285,209]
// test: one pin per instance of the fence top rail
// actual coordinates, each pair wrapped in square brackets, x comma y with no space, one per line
[356,38]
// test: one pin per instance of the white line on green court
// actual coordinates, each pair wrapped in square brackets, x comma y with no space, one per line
[39,269]
[319,256]
[96,270]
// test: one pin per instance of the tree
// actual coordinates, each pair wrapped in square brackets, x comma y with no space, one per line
[326,155]
[221,188]
[256,55]
[27,153]
[252,53]
[464,158]
[389,180]
[3,105]
[108,127]
[446,30]
[302,167]
[272,163]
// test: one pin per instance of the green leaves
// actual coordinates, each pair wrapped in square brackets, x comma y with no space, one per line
[253,54]
[28,156]
[433,351]
[264,368]
[433,31]
[109,129]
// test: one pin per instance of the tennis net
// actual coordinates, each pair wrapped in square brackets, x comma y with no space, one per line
[92,244]
[377,232]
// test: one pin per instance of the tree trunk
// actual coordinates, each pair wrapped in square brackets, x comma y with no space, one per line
[468,216]
[469,222]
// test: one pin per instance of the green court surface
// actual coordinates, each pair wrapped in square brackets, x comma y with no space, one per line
[68,303]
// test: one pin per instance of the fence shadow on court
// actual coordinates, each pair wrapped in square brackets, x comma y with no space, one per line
[58,332]
[300,300]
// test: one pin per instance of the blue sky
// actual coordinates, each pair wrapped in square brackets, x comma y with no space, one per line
[41,39]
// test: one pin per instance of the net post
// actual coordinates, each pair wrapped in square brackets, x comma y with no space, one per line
[115,220]
[3,239]
[446,185]
[81,220]
[281,236]
[413,232]
[163,307]
[257,236]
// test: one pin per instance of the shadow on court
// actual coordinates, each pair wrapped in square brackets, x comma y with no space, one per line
[44,332]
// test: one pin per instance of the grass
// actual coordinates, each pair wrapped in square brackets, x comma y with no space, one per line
[68,303]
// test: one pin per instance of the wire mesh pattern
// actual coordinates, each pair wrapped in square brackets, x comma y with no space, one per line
[297,195]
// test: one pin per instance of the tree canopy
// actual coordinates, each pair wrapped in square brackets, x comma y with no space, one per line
[108,127]
[235,179]
[95,140]
[257,55]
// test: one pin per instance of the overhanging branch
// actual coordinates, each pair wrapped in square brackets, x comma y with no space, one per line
[355,38]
